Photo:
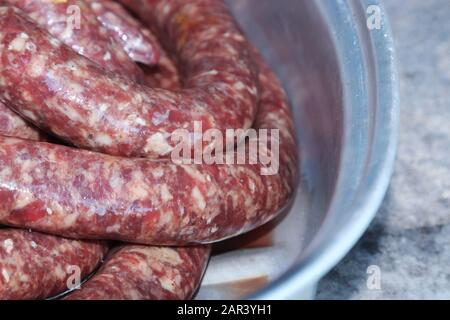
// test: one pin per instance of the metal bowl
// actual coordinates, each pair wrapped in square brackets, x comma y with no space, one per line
[341,79]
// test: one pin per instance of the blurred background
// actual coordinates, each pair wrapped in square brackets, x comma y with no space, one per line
[409,240]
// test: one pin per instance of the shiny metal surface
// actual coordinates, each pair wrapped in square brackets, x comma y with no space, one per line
[341,79]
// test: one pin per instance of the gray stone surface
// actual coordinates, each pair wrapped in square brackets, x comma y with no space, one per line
[409,239]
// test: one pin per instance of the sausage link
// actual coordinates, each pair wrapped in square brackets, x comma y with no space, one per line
[70,96]
[273,106]
[92,195]
[136,272]
[75,24]
[36,266]
[140,43]
[35,286]
[53,16]
[163,75]
[127,31]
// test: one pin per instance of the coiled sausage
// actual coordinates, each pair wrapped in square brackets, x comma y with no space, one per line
[67,94]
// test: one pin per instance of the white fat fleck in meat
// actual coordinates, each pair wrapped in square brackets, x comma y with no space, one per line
[29,114]
[96,5]
[8,245]
[188,231]
[49,211]
[140,121]
[231,49]
[136,187]
[253,90]
[116,181]
[107,56]
[5,275]
[234,36]
[93,118]
[239,86]
[210,73]
[168,255]
[74,89]
[199,199]
[158,173]
[71,65]
[23,199]
[103,139]
[26,178]
[121,55]
[90,212]
[167,283]
[5,172]
[142,266]
[113,229]
[56,207]
[186,220]
[26,95]
[19,42]
[213,229]
[134,42]
[24,277]
[133,118]
[59,272]
[137,98]
[165,193]
[55,42]
[28,166]
[33,244]
[165,218]
[67,34]
[252,185]
[166,8]
[70,219]
[159,118]
[103,107]
[158,144]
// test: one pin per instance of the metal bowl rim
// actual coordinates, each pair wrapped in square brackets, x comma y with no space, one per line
[307,272]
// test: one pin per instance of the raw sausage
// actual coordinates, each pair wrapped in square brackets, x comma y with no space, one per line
[230,199]
[75,24]
[90,40]
[67,94]
[35,266]
[91,195]
[140,43]
[83,194]
[34,276]
[126,30]
[136,272]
